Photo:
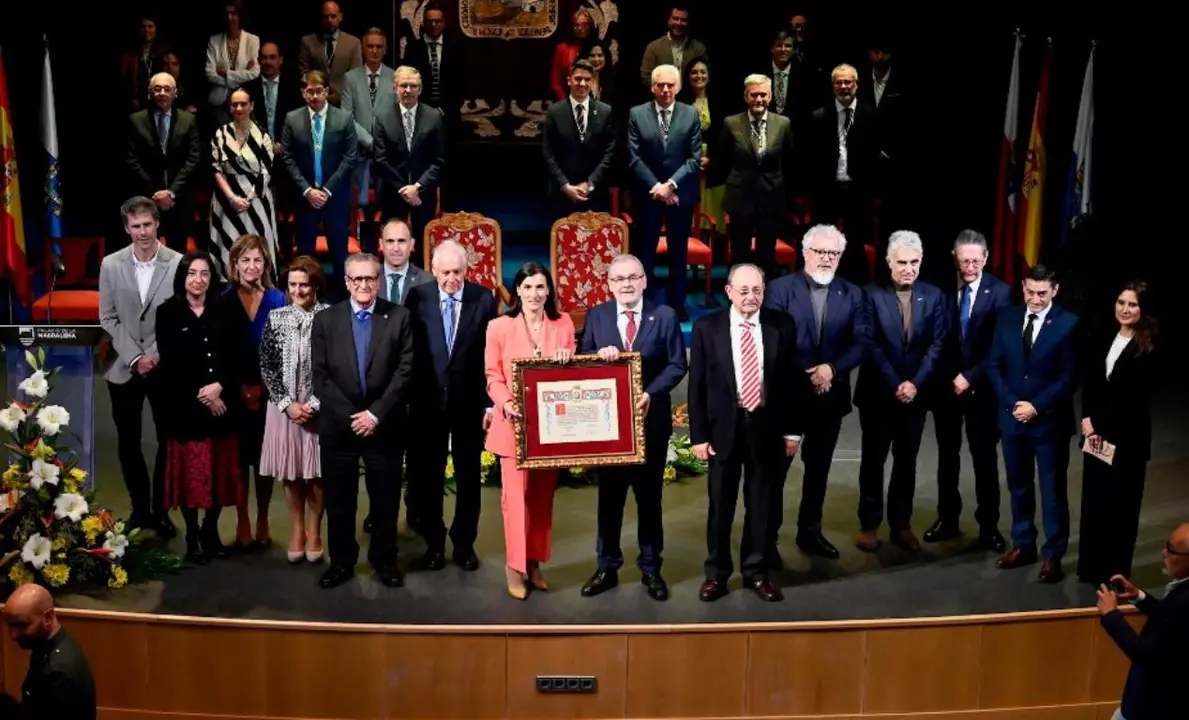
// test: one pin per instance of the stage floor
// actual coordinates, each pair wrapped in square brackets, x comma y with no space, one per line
[944,579]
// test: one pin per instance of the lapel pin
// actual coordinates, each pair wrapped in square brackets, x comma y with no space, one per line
[650,318]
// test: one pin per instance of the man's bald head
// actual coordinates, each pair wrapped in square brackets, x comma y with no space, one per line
[29,614]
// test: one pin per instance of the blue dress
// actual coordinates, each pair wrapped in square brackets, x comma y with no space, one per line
[247,334]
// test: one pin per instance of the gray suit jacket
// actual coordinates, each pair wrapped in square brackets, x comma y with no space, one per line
[357,99]
[414,276]
[132,324]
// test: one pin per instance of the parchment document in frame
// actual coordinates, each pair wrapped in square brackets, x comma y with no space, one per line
[577,411]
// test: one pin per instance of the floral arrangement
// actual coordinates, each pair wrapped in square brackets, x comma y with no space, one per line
[50,531]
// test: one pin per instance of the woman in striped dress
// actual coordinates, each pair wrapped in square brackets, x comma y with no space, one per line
[242,155]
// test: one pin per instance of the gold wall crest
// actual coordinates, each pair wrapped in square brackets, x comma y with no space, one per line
[507,19]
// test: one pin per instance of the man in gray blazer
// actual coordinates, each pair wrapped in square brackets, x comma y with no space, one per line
[674,48]
[133,282]
[319,149]
[330,51]
[365,89]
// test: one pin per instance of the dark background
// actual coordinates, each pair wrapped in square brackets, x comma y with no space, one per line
[956,58]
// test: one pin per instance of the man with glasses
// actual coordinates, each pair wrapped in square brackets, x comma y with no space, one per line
[964,394]
[826,311]
[629,323]
[362,357]
[319,148]
[1157,652]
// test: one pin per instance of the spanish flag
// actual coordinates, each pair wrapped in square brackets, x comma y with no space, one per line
[13,264]
[1035,166]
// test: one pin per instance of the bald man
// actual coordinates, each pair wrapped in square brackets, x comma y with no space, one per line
[59,683]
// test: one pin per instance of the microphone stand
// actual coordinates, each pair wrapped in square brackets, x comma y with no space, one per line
[59,268]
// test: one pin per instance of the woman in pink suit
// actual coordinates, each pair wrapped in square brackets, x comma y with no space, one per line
[532,328]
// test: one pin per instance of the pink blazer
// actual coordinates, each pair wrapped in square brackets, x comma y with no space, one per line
[507,338]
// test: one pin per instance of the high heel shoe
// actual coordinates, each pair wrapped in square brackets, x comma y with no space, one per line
[295,558]
[313,556]
[516,587]
[536,579]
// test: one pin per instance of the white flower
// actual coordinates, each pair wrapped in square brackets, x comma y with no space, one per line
[41,473]
[35,385]
[11,417]
[52,418]
[116,543]
[70,505]
[671,455]
[37,551]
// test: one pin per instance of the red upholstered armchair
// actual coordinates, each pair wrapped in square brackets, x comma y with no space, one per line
[481,237]
[76,295]
[581,247]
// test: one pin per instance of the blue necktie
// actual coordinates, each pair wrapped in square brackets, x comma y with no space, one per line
[448,323]
[363,339]
[318,149]
[964,310]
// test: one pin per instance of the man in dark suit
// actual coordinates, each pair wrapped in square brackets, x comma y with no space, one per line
[632,324]
[331,52]
[1033,369]
[273,95]
[886,91]
[827,312]
[665,154]
[1156,652]
[450,403]
[400,274]
[319,149]
[59,682]
[162,160]
[409,145]
[964,394]
[752,156]
[746,415]
[905,328]
[439,60]
[578,146]
[843,157]
[362,357]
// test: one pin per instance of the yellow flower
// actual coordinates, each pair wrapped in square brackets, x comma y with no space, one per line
[670,473]
[58,543]
[487,459]
[19,574]
[92,526]
[449,466]
[78,474]
[12,474]
[119,578]
[56,575]
[69,485]
[42,451]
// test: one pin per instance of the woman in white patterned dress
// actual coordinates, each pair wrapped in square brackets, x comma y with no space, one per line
[242,155]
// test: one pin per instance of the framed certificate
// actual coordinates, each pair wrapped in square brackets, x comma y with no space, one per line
[581,413]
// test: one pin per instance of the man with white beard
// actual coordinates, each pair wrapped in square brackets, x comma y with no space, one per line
[826,310]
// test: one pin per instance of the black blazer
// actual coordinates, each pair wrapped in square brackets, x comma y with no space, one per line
[450,73]
[1157,654]
[968,355]
[196,351]
[862,147]
[569,160]
[754,184]
[336,375]
[175,169]
[714,397]
[340,151]
[890,359]
[289,98]
[456,381]
[1119,408]
[403,163]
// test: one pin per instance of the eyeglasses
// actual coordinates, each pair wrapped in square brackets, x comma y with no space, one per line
[626,278]
[831,254]
[1168,548]
[363,279]
[971,263]
[315,91]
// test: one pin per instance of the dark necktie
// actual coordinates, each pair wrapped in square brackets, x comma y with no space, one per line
[664,126]
[757,136]
[964,310]
[162,131]
[1027,337]
[371,87]
[363,339]
[435,70]
[846,121]
[329,51]
[580,120]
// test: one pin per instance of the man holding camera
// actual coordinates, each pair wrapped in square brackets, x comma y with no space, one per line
[1156,652]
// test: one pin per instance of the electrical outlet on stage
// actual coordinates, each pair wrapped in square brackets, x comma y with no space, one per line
[567,684]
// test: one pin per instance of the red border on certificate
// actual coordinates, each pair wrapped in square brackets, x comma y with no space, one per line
[623,380]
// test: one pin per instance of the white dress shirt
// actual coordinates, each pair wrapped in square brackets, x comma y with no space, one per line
[757,335]
[1040,321]
[1112,355]
[144,275]
[973,291]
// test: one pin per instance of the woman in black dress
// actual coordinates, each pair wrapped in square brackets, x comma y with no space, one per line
[1116,395]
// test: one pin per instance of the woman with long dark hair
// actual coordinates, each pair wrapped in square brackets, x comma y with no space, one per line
[1117,425]
[532,328]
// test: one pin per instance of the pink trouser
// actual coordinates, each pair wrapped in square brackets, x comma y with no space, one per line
[527,502]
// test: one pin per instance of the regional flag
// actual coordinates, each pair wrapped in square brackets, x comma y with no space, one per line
[12,230]
[1032,183]
[1077,194]
[1003,245]
[49,141]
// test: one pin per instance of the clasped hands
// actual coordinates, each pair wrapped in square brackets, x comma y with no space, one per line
[822,377]
[300,413]
[411,194]
[209,395]
[561,356]
[1024,412]
[663,192]
[577,193]
[317,198]
[163,200]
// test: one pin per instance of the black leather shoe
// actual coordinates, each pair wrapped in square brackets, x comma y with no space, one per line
[390,576]
[992,541]
[434,560]
[196,553]
[764,588]
[165,528]
[335,575]
[600,582]
[658,589]
[367,524]
[712,590]
[817,544]
[215,548]
[940,531]
[466,559]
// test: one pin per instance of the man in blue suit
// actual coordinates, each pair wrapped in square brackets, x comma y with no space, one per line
[1033,368]
[965,394]
[665,153]
[827,312]
[631,323]
[904,330]
[319,148]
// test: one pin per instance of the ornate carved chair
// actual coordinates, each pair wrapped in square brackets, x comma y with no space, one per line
[481,237]
[581,247]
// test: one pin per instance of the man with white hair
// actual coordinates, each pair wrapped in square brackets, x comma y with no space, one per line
[827,311]
[450,406]
[905,326]
[752,156]
[665,154]
[629,323]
